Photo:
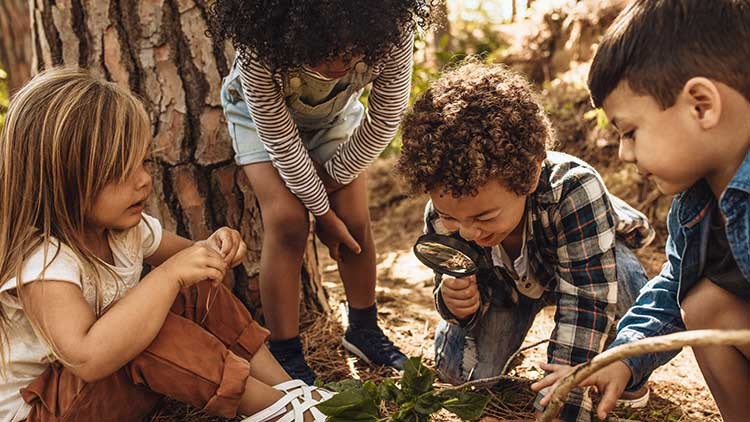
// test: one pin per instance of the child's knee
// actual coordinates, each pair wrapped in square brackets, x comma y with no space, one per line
[360,230]
[288,226]
[704,304]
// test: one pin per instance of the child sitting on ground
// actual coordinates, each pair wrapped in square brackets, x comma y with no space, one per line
[82,336]
[673,78]
[476,142]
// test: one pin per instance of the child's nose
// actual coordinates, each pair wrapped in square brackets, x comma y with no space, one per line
[144,179]
[626,151]
[468,232]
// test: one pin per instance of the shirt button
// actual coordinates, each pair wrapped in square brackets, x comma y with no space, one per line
[361,67]
[295,82]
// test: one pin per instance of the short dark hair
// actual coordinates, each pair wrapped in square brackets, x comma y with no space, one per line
[656,46]
[476,124]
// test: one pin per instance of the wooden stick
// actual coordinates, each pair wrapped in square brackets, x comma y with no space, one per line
[695,338]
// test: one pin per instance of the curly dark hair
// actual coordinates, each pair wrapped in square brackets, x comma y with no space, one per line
[475,124]
[286,34]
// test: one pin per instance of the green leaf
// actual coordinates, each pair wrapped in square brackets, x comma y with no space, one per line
[388,391]
[355,404]
[428,404]
[347,384]
[467,405]
[417,378]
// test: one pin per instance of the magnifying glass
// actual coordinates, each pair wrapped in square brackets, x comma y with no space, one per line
[449,255]
[456,257]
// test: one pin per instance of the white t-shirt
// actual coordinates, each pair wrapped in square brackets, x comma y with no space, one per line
[29,354]
[526,281]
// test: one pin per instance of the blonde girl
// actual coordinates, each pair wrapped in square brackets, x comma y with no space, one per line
[83,337]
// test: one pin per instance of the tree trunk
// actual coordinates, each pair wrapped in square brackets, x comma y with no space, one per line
[15,42]
[441,41]
[159,49]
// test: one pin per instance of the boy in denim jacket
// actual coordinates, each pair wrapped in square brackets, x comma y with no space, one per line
[673,78]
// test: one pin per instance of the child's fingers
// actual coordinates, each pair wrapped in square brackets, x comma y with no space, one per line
[463,310]
[226,242]
[552,367]
[459,283]
[214,275]
[548,397]
[240,254]
[348,241]
[461,303]
[608,402]
[460,294]
[544,382]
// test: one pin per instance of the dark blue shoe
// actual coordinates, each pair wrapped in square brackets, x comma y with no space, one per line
[373,347]
[292,359]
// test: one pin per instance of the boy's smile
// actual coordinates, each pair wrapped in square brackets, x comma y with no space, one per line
[487,218]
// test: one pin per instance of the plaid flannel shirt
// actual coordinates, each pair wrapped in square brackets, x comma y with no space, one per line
[572,224]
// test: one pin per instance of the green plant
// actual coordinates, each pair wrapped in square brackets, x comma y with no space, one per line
[414,398]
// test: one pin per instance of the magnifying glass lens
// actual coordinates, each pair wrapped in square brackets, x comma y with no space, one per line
[445,258]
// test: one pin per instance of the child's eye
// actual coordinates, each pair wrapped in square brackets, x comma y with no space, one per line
[630,135]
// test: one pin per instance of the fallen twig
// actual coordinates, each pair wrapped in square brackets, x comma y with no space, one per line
[695,338]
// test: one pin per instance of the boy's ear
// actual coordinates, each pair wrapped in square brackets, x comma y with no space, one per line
[703,98]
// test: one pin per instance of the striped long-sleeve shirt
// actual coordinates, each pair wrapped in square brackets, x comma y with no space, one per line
[280,135]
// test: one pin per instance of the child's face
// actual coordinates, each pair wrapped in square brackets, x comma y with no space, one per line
[486,218]
[667,146]
[119,205]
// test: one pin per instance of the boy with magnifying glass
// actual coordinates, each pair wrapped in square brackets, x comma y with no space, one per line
[476,142]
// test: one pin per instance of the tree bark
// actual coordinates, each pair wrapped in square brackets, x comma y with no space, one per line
[159,49]
[15,42]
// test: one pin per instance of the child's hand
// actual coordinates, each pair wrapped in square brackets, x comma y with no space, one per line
[460,295]
[229,244]
[195,264]
[328,182]
[609,381]
[333,233]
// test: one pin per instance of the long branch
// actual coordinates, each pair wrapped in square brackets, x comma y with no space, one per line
[695,338]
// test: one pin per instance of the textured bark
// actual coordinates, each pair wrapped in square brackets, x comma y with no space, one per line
[15,42]
[159,49]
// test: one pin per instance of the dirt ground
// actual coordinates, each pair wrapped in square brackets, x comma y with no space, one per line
[406,312]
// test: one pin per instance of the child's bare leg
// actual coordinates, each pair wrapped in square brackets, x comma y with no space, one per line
[726,368]
[286,227]
[363,337]
[357,270]
[266,369]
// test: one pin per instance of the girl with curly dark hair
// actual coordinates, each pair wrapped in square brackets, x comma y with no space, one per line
[304,139]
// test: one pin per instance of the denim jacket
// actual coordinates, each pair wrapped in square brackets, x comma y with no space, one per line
[657,309]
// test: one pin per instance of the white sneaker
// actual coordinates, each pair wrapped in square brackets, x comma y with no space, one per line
[300,396]
[635,399]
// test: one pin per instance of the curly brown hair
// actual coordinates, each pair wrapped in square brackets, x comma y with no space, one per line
[477,123]
[287,34]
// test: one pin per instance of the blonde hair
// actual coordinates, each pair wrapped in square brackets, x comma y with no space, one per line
[66,135]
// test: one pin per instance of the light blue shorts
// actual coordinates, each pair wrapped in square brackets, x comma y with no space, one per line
[321,141]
